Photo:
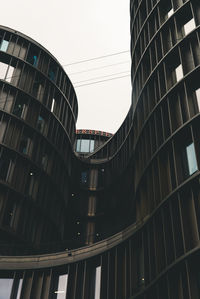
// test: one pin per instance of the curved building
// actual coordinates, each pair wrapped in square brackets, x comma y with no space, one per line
[38,111]
[130,206]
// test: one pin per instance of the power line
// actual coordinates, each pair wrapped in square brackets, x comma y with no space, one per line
[95,58]
[101,81]
[96,78]
[97,68]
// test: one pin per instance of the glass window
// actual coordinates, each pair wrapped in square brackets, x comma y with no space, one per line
[40,123]
[5,287]
[62,286]
[19,288]
[91,146]
[4,45]
[84,177]
[32,56]
[51,75]
[179,72]
[5,165]
[20,108]
[85,146]
[189,26]
[52,105]
[52,71]
[3,70]
[191,159]
[9,73]
[78,145]
[25,145]
[170,13]
[198,97]
[97,283]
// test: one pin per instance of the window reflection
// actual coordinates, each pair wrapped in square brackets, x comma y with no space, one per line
[170,13]
[198,98]
[41,123]
[179,72]
[32,57]
[189,26]
[19,288]
[62,286]
[191,159]
[4,45]
[20,108]
[84,146]
[97,283]
[5,287]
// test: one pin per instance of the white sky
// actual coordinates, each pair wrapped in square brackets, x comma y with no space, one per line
[74,30]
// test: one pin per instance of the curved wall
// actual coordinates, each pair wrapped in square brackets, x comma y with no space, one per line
[166,93]
[38,110]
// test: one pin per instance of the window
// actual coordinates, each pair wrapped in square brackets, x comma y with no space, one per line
[4,45]
[40,123]
[3,70]
[84,177]
[6,71]
[91,146]
[84,145]
[78,145]
[52,71]
[9,213]
[32,184]
[62,286]
[6,287]
[198,97]
[25,145]
[20,108]
[52,105]
[191,159]
[38,88]
[170,13]
[19,288]
[97,283]
[179,72]
[5,167]
[32,56]
[189,26]
[9,73]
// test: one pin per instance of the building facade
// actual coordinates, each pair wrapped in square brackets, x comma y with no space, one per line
[129,224]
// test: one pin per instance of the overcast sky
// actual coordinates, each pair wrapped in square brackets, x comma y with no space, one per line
[76,30]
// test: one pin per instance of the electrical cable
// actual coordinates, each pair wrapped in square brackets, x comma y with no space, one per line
[97,68]
[101,81]
[95,58]
[96,78]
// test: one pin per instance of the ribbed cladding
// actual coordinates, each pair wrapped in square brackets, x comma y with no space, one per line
[38,110]
[103,183]
[166,97]
[120,272]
